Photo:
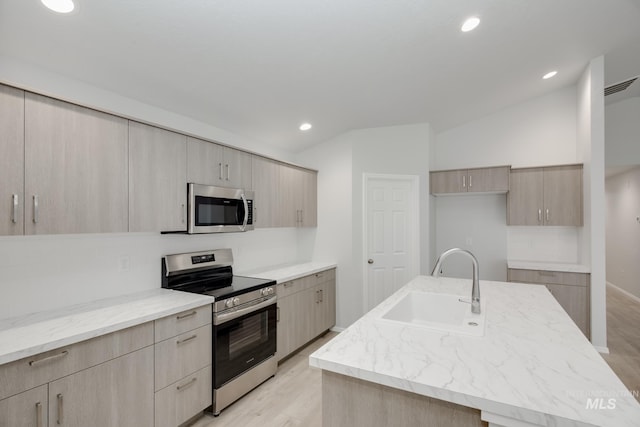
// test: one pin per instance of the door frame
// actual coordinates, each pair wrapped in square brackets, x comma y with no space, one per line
[414,234]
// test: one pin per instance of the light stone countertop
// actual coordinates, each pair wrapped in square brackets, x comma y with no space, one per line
[284,273]
[28,335]
[549,266]
[533,363]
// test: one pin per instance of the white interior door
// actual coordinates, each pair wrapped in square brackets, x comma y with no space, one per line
[391,234]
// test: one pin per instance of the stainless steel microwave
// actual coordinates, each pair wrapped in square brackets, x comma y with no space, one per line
[218,210]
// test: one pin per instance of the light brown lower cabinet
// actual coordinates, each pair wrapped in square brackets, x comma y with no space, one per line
[306,309]
[28,409]
[571,290]
[118,393]
[184,399]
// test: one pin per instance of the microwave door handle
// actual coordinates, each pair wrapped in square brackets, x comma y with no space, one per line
[246,212]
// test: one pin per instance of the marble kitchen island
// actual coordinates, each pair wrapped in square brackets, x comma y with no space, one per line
[532,367]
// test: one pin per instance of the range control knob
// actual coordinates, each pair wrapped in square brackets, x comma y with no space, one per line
[228,303]
[270,291]
[236,301]
[264,292]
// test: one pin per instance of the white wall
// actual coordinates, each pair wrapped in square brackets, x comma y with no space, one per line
[48,272]
[342,162]
[622,132]
[538,132]
[590,151]
[623,230]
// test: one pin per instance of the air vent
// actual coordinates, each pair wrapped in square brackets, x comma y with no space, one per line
[618,87]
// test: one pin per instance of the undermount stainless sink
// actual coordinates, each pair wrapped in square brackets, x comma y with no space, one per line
[435,311]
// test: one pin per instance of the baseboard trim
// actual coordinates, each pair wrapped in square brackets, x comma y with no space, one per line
[627,293]
[601,350]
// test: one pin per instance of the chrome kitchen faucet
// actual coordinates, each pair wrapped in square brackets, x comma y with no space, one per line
[475,290]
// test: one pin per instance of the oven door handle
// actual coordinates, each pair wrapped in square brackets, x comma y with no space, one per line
[246,213]
[220,318]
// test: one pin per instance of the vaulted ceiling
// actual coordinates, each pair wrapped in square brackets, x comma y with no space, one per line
[260,68]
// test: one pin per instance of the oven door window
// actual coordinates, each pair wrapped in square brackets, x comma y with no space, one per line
[212,211]
[243,343]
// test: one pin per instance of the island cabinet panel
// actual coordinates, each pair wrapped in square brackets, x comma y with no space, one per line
[477,180]
[12,153]
[118,393]
[348,401]
[28,409]
[157,179]
[213,164]
[76,166]
[306,309]
[546,196]
[571,290]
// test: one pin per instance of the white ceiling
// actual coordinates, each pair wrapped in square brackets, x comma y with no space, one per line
[260,68]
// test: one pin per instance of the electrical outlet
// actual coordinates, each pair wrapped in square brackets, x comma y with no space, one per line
[124,263]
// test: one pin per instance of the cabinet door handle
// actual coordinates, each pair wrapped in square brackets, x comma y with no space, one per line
[14,211]
[184,316]
[539,215]
[220,171]
[35,209]
[182,212]
[470,182]
[228,171]
[317,297]
[38,414]
[60,419]
[464,181]
[190,383]
[321,295]
[547,213]
[45,359]
[194,336]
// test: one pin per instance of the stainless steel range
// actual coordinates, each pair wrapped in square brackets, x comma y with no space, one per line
[244,320]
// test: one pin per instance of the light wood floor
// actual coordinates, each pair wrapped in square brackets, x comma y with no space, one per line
[623,338]
[292,398]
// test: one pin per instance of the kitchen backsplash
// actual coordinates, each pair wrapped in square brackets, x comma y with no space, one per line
[544,244]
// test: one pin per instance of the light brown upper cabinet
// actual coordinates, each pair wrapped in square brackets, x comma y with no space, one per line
[75,168]
[266,185]
[298,197]
[546,196]
[478,180]
[157,179]
[213,164]
[12,155]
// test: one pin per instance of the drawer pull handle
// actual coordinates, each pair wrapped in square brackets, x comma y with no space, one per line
[190,383]
[38,414]
[184,316]
[14,212]
[288,284]
[60,410]
[194,336]
[55,356]
[547,273]
[539,215]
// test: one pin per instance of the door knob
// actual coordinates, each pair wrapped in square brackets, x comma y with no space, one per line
[370,261]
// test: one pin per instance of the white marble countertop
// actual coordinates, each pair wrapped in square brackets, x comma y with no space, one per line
[284,273]
[549,266]
[533,363]
[27,335]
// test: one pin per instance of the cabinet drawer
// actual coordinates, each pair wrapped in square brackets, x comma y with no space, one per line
[291,287]
[322,277]
[548,277]
[28,409]
[184,399]
[182,355]
[24,374]
[306,282]
[171,326]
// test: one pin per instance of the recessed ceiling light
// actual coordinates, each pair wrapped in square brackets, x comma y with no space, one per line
[549,75]
[305,126]
[470,24]
[60,6]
